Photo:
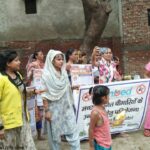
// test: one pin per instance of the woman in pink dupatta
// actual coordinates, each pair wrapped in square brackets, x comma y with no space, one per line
[36,61]
[147,119]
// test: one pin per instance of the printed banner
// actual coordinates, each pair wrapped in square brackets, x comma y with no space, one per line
[31,109]
[130,96]
[81,74]
[37,74]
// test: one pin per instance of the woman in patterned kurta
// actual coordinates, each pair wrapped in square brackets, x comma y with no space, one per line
[38,63]
[58,100]
[15,132]
[106,66]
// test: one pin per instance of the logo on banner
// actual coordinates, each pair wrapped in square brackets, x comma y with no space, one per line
[86,97]
[141,89]
[124,92]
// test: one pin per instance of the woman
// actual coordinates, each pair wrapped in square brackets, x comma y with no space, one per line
[15,132]
[71,58]
[105,65]
[36,61]
[96,57]
[118,73]
[58,102]
[147,119]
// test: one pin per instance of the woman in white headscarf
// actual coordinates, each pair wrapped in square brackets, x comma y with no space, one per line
[58,102]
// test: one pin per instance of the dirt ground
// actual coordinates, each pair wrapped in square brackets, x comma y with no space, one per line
[129,141]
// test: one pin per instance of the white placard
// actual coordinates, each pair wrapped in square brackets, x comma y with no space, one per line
[81,74]
[131,96]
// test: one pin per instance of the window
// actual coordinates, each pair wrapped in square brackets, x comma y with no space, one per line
[148,12]
[30,6]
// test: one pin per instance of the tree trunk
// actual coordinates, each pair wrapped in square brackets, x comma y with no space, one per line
[96,16]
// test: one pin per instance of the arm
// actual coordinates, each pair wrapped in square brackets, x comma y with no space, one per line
[45,104]
[1,90]
[1,123]
[93,121]
[94,61]
[146,74]
[47,111]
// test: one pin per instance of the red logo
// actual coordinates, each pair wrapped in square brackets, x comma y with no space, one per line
[141,89]
[86,97]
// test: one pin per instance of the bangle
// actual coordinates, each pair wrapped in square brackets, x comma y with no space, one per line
[46,110]
[1,127]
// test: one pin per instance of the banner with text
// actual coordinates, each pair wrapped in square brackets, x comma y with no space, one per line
[37,82]
[130,96]
[31,109]
[81,74]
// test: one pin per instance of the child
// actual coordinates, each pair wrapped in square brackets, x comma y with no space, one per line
[99,130]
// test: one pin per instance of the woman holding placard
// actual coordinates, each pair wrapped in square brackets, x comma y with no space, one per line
[34,69]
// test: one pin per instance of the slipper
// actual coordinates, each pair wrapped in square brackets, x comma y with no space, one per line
[147,132]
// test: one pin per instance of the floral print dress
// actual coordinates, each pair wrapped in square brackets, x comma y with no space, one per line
[106,71]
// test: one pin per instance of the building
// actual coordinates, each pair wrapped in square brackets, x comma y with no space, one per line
[26,25]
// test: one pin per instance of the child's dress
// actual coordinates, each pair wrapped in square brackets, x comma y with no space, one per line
[102,135]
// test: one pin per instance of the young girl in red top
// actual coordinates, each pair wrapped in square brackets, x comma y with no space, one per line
[99,130]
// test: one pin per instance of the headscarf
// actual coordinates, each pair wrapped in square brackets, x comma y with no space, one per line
[56,84]
[147,67]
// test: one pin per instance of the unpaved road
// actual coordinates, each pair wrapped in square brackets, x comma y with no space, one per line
[130,141]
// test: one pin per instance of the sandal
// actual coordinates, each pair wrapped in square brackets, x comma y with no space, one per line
[147,132]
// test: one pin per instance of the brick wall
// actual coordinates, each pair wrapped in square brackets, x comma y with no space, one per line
[26,48]
[135,60]
[136,35]
[134,47]
[135,22]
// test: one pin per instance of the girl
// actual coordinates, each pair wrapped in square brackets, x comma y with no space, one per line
[99,129]
[36,61]
[58,102]
[147,120]
[15,132]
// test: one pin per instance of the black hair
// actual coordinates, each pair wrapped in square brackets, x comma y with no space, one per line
[35,54]
[98,92]
[115,58]
[69,52]
[6,57]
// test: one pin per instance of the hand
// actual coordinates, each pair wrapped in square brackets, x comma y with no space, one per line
[95,51]
[2,134]
[39,91]
[75,87]
[91,148]
[48,116]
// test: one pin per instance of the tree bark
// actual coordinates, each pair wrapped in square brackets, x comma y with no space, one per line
[96,14]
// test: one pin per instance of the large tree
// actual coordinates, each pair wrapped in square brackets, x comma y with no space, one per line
[96,14]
